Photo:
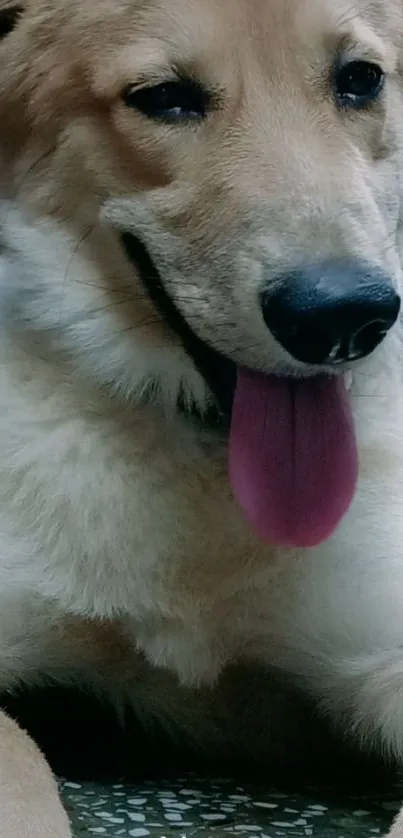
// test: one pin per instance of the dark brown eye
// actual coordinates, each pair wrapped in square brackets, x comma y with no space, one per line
[358,83]
[172,102]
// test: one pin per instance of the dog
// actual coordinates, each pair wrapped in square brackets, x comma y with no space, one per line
[201,448]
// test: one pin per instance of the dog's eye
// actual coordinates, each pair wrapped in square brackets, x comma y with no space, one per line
[173,102]
[358,83]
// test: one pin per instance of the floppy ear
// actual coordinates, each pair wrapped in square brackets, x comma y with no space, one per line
[9,14]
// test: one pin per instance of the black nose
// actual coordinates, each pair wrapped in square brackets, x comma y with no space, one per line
[331,313]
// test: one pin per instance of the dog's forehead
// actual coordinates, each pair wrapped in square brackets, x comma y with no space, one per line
[217,38]
[264,18]
[191,22]
[276,12]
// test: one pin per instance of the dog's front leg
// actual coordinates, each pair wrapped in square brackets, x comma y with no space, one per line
[30,806]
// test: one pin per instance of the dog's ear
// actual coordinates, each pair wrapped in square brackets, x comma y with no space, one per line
[10,11]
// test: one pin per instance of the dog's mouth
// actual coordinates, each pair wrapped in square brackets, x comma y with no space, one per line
[218,372]
[293,462]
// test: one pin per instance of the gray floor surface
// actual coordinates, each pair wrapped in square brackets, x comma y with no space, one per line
[221,807]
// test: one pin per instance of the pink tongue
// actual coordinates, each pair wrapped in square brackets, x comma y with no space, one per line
[293,460]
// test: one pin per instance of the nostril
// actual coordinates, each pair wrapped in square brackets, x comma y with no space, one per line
[310,344]
[368,338]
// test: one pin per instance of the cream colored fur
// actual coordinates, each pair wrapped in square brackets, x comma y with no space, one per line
[125,563]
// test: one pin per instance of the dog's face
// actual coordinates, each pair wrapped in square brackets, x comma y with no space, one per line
[274,134]
[253,147]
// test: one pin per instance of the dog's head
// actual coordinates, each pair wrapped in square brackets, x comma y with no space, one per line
[247,155]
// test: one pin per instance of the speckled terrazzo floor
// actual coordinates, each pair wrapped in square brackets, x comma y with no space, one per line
[197,807]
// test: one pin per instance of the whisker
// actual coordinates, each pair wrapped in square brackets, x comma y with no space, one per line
[144,324]
[110,306]
[20,184]
[79,244]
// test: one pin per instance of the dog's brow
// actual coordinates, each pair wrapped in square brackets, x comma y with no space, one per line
[360,42]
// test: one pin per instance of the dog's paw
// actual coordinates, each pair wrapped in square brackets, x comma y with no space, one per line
[30,806]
